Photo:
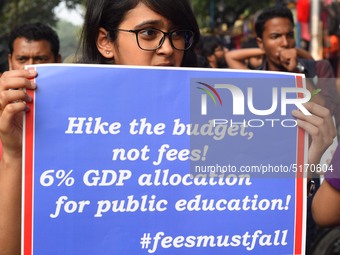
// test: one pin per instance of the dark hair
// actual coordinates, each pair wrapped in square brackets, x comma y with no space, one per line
[271,13]
[108,14]
[35,32]
[209,44]
[250,43]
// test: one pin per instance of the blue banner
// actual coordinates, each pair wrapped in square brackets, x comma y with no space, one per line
[141,160]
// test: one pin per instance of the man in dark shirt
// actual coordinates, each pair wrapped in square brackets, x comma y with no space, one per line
[275,36]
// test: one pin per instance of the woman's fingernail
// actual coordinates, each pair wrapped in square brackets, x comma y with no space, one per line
[33,85]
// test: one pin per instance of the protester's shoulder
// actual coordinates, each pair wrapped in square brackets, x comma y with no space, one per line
[320,68]
[324,68]
[324,63]
[307,63]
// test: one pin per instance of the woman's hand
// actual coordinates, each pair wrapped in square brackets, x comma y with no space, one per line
[13,103]
[319,126]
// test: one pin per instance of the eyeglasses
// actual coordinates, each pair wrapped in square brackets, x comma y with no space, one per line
[152,39]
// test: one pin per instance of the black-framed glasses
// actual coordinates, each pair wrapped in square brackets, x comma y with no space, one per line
[152,39]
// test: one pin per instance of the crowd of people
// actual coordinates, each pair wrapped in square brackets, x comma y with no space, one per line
[164,33]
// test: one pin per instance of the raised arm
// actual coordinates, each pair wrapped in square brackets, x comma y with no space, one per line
[236,58]
[13,101]
[326,202]
[10,204]
[301,53]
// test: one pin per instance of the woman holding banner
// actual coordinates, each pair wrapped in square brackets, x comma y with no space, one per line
[160,33]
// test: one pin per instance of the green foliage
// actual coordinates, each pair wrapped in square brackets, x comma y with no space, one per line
[69,37]
[225,11]
[17,12]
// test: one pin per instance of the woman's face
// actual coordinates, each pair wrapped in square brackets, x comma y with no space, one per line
[126,50]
